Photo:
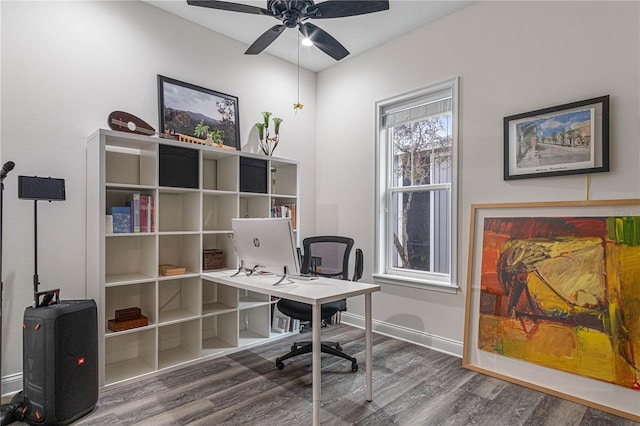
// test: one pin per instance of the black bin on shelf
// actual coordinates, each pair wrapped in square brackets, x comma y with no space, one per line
[178,167]
[253,175]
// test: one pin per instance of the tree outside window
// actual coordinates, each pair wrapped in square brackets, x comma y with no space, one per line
[421,157]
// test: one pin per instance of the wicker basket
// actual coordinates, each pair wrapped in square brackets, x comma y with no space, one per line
[212,259]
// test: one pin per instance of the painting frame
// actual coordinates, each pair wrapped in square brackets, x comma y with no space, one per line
[199,104]
[566,139]
[608,397]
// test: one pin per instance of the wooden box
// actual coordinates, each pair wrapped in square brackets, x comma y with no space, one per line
[212,259]
[128,324]
[167,270]
[128,314]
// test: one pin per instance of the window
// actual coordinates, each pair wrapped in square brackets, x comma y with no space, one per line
[416,188]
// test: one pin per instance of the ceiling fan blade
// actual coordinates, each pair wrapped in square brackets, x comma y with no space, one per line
[341,9]
[265,40]
[232,7]
[324,41]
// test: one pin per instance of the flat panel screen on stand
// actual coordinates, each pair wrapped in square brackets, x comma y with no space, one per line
[39,188]
[266,242]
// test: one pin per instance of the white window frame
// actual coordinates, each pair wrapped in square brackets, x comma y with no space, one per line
[383,272]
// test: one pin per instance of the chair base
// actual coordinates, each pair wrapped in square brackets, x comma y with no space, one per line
[332,348]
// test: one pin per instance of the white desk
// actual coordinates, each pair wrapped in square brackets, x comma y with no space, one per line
[315,293]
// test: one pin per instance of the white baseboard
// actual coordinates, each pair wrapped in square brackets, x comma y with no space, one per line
[421,338]
[11,384]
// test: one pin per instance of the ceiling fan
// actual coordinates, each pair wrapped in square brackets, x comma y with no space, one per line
[295,13]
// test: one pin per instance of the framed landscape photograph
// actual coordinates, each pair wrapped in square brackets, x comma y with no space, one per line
[553,299]
[196,114]
[562,140]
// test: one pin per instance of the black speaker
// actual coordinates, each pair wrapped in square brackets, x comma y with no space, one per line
[60,362]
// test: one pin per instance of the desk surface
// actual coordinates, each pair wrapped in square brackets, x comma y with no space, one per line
[313,292]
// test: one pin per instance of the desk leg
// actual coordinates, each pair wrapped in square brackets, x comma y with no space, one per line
[317,326]
[369,345]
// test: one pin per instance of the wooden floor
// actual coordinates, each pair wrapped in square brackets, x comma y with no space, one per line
[412,386]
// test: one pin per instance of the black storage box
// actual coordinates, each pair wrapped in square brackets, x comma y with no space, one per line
[178,167]
[253,175]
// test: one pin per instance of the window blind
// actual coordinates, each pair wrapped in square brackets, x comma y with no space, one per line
[417,109]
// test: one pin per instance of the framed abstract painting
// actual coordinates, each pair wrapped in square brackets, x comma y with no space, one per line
[553,299]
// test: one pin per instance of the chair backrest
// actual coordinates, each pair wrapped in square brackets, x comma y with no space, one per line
[327,256]
[359,266]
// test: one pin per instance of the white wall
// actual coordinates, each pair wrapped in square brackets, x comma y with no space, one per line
[511,57]
[65,66]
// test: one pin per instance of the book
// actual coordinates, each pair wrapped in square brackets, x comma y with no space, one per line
[143,214]
[169,270]
[108,224]
[134,205]
[121,219]
[152,221]
[147,209]
[150,214]
[292,209]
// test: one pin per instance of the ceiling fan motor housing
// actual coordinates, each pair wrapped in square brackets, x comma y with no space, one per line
[289,11]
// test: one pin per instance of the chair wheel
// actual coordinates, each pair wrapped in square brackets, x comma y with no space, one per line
[354,366]
[294,347]
[338,347]
[280,364]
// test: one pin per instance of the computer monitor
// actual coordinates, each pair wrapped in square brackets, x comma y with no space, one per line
[266,243]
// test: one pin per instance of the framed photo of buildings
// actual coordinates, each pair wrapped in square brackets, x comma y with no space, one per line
[562,140]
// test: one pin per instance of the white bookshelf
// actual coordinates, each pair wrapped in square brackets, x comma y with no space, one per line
[189,319]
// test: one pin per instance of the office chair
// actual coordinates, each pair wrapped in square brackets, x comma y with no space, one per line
[326,256]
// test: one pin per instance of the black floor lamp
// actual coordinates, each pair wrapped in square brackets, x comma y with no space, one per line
[7,413]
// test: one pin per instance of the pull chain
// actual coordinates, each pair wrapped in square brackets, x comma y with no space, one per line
[298,106]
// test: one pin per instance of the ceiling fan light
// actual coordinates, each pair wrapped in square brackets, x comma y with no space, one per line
[306,41]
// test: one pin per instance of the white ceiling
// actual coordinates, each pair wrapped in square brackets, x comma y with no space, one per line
[356,33]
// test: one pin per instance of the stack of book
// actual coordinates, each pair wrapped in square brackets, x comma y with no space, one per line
[137,216]
[285,210]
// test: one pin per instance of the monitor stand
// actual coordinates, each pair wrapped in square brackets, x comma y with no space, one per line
[284,278]
[243,269]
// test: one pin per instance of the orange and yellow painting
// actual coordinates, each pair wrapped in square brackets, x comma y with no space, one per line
[564,292]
